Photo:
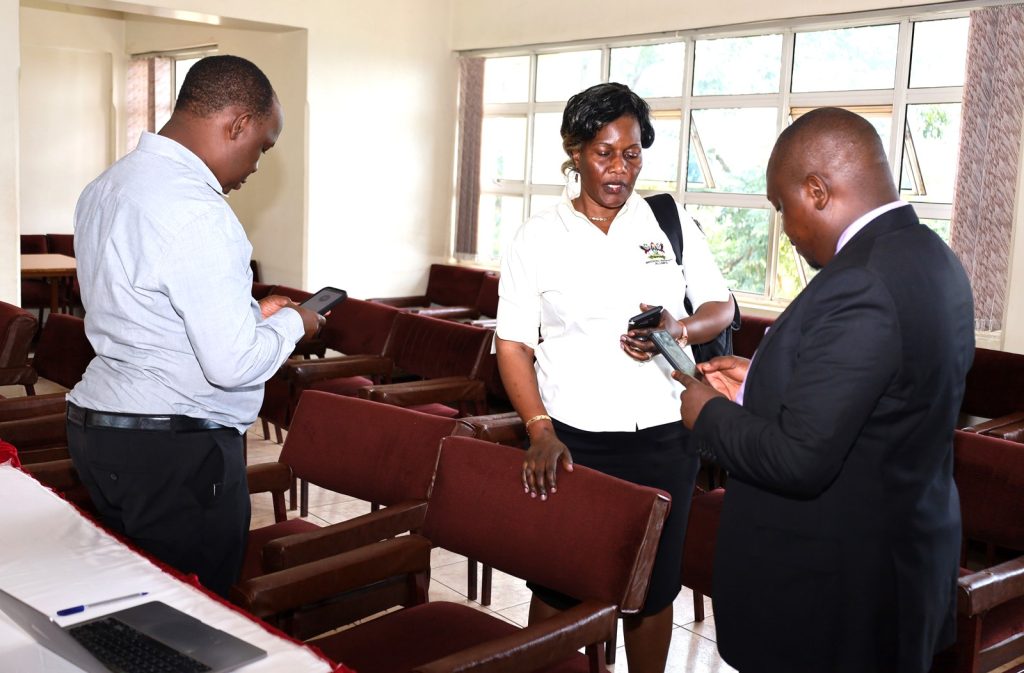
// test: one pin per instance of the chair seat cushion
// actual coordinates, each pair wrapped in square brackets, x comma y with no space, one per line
[436,409]
[1003,622]
[348,386]
[400,641]
[252,566]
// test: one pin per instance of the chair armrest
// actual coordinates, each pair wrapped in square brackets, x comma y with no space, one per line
[536,646]
[300,548]
[411,393]
[284,590]
[27,406]
[447,312]
[36,432]
[403,302]
[985,427]
[60,475]
[269,477]
[306,372]
[985,589]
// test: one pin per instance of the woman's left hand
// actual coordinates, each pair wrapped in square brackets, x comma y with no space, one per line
[636,342]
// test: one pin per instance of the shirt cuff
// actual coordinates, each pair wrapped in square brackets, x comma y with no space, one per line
[288,323]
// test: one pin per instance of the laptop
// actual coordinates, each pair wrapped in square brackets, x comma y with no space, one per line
[182,642]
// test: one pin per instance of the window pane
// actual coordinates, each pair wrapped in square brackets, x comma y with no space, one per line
[930,152]
[661,160]
[541,202]
[730,149]
[939,53]
[181,68]
[502,149]
[499,218]
[738,238]
[548,154]
[507,80]
[561,75]
[737,65]
[940,227]
[652,71]
[792,273]
[847,58]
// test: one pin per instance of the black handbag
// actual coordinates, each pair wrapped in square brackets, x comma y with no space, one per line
[667,214]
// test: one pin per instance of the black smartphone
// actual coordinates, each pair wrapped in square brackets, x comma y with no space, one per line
[324,300]
[674,353]
[649,318]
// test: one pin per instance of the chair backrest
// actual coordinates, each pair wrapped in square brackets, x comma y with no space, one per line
[453,285]
[989,474]
[746,339]
[33,244]
[357,327]
[61,244]
[595,539]
[487,299]
[63,351]
[17,327]
[372,451]
[433,348]
[995,384]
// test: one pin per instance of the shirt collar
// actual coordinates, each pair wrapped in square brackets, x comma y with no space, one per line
[864,220]
[175,151]
[569,212]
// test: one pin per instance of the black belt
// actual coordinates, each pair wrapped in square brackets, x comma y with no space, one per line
[87,418]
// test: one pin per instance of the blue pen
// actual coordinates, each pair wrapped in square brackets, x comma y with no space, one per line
[80,608]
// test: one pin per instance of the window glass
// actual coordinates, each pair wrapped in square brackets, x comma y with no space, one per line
[940,227]
[652,71]
[661,160]
[507,80]
[738,238]
[737,65]
[939,53]
[730,148]
[503,149]
[561,75]
[792,272]
[929,152]
[846,59]
[499,217]
[548,155]
[181,68]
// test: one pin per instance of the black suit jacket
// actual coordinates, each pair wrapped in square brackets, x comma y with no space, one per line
[840,533]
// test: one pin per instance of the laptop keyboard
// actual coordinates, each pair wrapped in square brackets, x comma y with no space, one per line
[125,650]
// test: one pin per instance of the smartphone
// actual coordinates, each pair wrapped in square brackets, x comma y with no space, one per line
[674,353]
[649,318]
[324,300]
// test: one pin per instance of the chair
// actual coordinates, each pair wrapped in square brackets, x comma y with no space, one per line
[748,337]
[994,395]
[699,547]
[35,293]
[595,541]
[370,451]
[989,474]
[447,285]
[17,328]
[63,352]
[64,244]
[484,308]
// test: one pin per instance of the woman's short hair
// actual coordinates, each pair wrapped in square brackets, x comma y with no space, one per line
[587,112]
[217,82]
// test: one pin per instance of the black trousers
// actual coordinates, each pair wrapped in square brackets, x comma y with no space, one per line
[180,496]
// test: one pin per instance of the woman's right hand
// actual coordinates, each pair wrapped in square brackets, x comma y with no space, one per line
[542,458]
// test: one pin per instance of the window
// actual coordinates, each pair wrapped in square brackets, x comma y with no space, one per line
[154,80]
[718,103]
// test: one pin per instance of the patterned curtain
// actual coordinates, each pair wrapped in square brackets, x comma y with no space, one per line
[150,95]
[993,113]
[471,116]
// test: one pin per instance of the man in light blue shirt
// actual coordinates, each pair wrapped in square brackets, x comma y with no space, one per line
[182,350]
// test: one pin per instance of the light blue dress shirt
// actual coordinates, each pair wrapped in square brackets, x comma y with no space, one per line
[163,265]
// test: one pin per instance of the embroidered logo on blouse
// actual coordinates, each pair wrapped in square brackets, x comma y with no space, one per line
[655,252]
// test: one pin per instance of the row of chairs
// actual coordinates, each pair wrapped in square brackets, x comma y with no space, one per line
[35,293]
[61,354]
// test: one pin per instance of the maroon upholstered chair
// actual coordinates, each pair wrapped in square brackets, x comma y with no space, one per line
[994,395]
[35,293]
[64,244]
[17,328]
[746,339]
[699,547]
[595,541]
[484,307]
[447,285]
[63,351]
[374,452]
[989,475]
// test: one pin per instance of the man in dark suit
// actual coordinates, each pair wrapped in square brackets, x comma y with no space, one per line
[839,540]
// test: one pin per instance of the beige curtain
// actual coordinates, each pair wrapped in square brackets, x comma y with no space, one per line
[471,116]
[150,95]
[993,113]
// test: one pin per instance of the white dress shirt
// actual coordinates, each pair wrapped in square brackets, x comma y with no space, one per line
[163,265]
[578,287]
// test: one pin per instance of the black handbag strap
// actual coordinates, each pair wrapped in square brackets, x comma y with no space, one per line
[667,214]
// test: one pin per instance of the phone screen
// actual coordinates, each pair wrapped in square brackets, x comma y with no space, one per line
[324,300]
[674,353]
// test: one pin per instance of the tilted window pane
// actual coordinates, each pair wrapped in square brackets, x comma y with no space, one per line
[930,147]
[737,65]
[792,272]
[939,53]
[846,58]
[548,154]
[652,71]
[661,160]
[502,149]
[561,75]
[730,147]
[499,217]
[507,80]
[738,238]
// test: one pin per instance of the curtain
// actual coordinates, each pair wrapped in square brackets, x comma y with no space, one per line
[471,116]
[983,199]
[150,95]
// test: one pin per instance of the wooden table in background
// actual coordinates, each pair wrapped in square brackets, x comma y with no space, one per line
[52,268]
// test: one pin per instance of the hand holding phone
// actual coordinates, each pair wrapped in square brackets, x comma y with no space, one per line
[324,300]
[674,353]
[649,318]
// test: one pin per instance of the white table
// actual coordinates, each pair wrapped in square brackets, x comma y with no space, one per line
[52,557]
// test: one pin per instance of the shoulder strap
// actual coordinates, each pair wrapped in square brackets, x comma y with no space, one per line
[667,214]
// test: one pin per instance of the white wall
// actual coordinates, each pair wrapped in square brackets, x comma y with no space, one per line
[10,285]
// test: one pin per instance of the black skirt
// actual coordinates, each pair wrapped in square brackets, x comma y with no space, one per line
[658,457]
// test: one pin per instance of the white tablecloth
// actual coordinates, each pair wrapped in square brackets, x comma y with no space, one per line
[52,557]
